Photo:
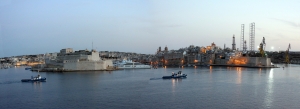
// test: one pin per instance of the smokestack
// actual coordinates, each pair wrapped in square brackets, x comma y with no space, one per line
[233,43]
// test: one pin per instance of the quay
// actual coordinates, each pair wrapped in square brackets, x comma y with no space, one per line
[272,66]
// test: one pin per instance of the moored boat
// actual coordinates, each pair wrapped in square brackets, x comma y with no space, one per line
[27,68]
[178,75]
[132,65]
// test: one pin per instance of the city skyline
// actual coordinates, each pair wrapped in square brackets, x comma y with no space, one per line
[37,27]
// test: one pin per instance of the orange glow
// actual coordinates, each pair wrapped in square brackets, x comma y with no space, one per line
[240,61]
[210,62]
[239,73]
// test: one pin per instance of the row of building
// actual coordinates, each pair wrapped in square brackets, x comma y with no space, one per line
[209,55]
[70,60]
[24,60]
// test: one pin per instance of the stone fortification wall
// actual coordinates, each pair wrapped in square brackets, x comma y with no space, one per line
[87,65]
[73,57]
[81,60]
[84,65]
[95,56]
[252,61]
[108,63]
[53,62]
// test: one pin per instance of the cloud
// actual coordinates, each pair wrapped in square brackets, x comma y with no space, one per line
[291,23]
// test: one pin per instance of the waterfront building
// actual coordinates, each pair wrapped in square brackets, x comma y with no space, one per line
[210,55]
[68,60]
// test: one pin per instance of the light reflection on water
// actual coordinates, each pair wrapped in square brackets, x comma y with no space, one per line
[269,90]
[239,75]
[204,87]
[37,86]
[38,90]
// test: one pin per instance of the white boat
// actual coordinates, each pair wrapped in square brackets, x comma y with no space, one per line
[132,65]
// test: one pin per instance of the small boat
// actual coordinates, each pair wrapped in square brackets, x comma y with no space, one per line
[178,75]
[33,79]
[27,68]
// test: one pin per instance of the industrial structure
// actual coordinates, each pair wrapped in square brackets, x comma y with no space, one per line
[262,47]
[242,44]
[233,43]
[245,46]
[252,37]
[287,59]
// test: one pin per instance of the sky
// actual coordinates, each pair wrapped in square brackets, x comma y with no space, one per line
[141,26]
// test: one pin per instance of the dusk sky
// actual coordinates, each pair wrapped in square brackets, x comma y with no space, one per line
[141,26]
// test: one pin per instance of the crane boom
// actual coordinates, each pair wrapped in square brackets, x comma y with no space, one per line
[262,47]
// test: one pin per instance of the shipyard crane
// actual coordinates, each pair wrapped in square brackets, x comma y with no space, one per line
[262,47]
[287,59]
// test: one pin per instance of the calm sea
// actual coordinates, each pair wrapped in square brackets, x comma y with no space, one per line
[204,87]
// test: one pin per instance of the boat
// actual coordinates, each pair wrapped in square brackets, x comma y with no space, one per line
[132,65]
[27,68]
[178,75]
[33,79]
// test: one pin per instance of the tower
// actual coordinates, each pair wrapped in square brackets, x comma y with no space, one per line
[233,43]
[252,37]
[159,48]
[166,48]
[242,46]
[245,46]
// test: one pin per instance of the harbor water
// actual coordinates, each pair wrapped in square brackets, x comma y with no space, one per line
[204,87]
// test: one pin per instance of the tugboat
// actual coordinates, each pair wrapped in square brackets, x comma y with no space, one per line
[178,75]
[33,79]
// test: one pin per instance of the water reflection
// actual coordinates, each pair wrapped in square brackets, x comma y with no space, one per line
[174,82]
[239,75]
[37,86]
[259,71]
[269,90]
